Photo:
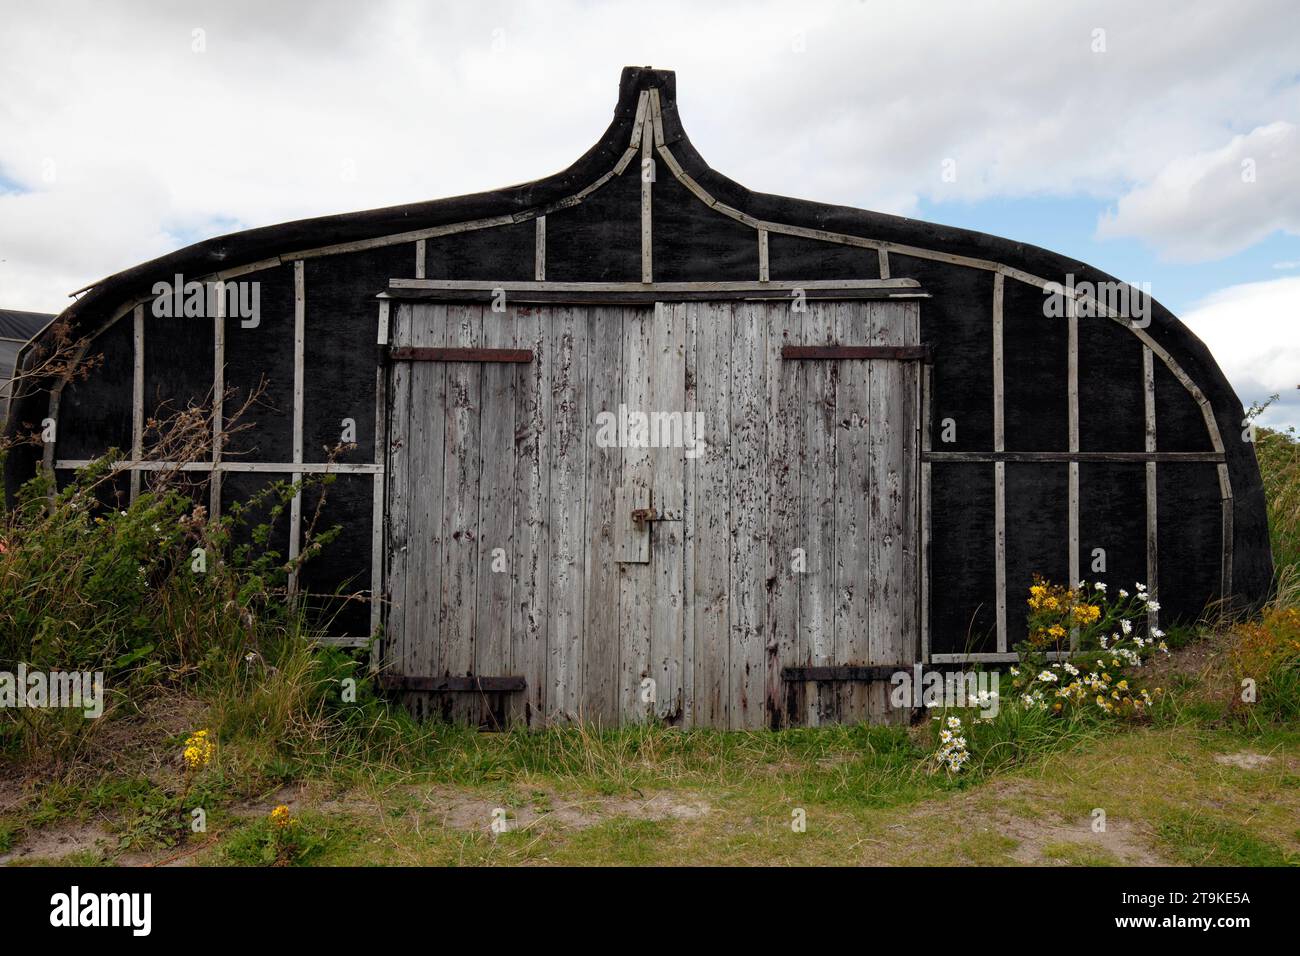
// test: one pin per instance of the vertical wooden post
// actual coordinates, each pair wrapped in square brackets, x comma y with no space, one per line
[218,401]
[299,339]
[539,256]
[377,504]
[927,386]
[1072,313]
[385,310]
[1225,570]
[137,403]
[647,184]
[999,469]
[1153,569]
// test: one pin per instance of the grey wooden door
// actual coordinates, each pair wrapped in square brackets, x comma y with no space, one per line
[765,519]
[802,533]
[501,515]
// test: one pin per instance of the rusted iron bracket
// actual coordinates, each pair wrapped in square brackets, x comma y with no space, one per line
[487,685]
[904,353]
[413,354]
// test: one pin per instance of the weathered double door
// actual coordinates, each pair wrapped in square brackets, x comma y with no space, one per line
[608,512]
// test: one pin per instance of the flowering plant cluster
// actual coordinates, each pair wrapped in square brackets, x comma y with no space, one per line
[198,751]
[1108,643]
[952,753]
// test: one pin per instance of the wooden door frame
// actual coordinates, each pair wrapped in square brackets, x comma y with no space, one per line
[651,297]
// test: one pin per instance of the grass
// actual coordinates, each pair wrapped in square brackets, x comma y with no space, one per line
[656,795]
[1201,840]
[1203,779]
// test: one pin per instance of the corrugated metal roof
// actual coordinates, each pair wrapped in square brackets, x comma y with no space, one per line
[15,324]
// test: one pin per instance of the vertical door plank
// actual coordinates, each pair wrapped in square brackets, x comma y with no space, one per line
[712,504]
[459,605]
[636,581]
[496,520]
[568,510]
[888,440]
[667,559]
[748,447]
[532,510]
[427,472]
[817,510]
[909,418]
[861,435]
[785,704]
[689,507]
[398,462]
[600,638]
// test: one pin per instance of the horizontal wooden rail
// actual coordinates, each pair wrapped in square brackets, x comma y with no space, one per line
[487,685]
[1112,456]
[662,287]
[648,295]
[461,355]
[227,466]
[835,352]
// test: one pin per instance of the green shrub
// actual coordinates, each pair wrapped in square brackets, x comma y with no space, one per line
[155,594]
[1279,464]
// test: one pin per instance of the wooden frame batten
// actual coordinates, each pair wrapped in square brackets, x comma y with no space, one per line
[299,345]
[137,398]
[1153,542]
[1072,319]
[999,468]
[218,401]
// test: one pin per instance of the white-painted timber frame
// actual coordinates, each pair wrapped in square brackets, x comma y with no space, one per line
[648,141]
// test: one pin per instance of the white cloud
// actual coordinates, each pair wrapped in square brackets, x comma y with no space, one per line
[1218,202]
[156,145]
[1253,330]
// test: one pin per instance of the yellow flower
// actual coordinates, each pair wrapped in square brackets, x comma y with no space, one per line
[198,750]
[280,816]
[1056,631]
[1085,613]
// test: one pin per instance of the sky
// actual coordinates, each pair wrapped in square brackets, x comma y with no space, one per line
[1158,141]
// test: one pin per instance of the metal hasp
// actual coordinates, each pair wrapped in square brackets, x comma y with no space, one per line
[635,513]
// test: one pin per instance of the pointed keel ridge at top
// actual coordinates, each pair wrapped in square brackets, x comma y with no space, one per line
[636,80]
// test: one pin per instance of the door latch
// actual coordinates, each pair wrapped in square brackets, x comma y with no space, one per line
[642,516]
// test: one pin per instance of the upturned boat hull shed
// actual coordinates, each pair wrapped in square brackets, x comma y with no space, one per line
[632,440]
